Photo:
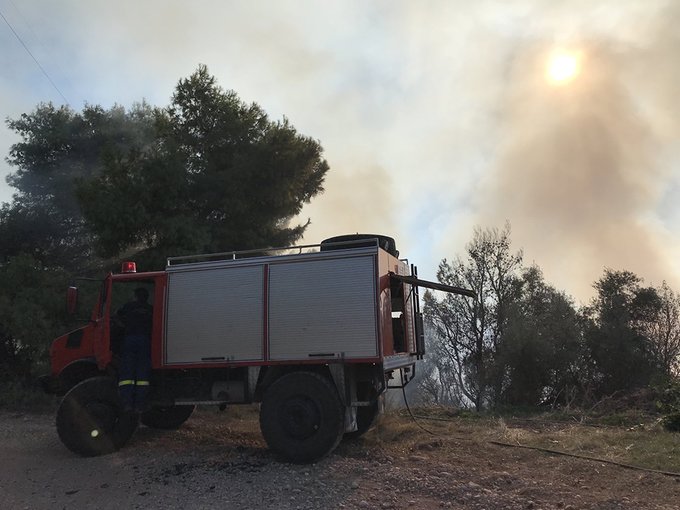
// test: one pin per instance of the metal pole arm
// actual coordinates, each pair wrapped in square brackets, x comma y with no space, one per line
[417,282]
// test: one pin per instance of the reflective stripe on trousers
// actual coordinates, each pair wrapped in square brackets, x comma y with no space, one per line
[130,382]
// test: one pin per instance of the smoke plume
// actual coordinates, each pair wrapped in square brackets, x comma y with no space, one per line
[435,116]
[581,171]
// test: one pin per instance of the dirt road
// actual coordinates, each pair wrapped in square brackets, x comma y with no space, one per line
[220,461]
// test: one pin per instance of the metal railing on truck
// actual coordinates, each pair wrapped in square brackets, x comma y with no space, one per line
[268,252]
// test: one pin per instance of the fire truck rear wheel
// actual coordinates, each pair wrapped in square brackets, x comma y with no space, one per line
[91,420]
[301,417]
[166,418]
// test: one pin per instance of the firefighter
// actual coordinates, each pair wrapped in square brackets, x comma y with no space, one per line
[135,366]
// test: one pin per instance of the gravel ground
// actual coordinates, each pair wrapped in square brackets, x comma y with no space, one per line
[221,461]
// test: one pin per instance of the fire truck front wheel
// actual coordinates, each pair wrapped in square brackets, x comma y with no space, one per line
[302,417]
[91,420]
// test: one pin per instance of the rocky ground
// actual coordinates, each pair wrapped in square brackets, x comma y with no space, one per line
[220,461]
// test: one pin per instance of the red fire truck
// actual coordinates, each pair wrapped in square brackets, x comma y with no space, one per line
[316,334]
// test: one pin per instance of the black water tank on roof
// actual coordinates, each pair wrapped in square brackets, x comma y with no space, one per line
[360,241]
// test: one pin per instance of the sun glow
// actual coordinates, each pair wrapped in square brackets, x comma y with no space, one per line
[563,67]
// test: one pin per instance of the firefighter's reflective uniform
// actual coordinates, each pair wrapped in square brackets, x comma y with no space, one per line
[135,366]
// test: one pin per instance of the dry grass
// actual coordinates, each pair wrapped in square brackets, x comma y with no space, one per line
[649,447]
[395,433]
[236,427]
[645,445]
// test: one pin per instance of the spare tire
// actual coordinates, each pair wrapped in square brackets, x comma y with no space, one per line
[350,241]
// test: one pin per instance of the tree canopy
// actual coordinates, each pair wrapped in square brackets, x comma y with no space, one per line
[59,149]
[220,176]
[206,173]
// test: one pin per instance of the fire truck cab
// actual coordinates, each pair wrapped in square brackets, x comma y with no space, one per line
[315,334]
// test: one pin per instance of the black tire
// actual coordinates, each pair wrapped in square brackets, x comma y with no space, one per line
[301,417]
[166,418]
[91,420]
[361,240]
[365,419]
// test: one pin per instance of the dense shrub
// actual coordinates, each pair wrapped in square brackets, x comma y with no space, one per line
[669,404]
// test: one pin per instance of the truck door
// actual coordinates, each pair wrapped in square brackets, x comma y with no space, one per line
[101,322]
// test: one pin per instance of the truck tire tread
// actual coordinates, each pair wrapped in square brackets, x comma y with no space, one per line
[302,417]
[91,420]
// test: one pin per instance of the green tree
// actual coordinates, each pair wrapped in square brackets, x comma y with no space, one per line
[541,354]
[32,311]
[221,177]
[615,332]
[471,330]
[658,321]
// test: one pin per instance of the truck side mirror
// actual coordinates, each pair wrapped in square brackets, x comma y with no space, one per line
[72,300]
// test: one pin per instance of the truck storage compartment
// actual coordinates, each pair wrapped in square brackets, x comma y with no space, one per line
[215,314]
[323,308]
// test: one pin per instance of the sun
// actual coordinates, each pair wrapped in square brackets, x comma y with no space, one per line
[563,67]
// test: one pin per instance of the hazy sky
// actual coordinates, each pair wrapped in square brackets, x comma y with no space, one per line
[435,116]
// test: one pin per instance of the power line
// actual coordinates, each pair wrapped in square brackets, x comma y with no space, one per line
[36,37]
[34,59]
